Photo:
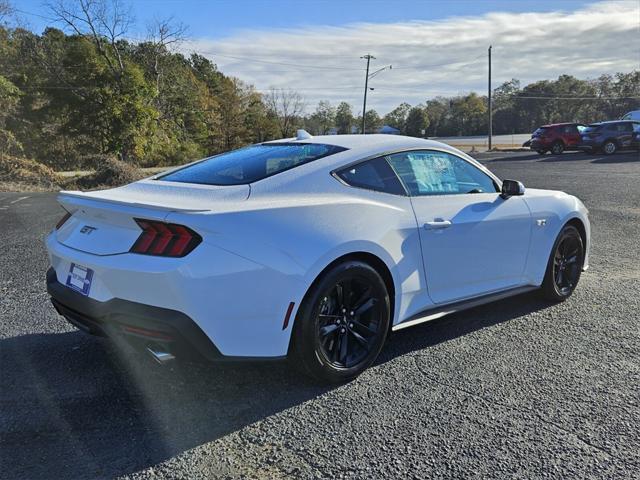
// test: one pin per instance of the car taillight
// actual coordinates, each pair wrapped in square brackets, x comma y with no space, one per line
[165,239]
[66,217]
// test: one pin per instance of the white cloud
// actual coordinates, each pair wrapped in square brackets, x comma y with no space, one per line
[600,38]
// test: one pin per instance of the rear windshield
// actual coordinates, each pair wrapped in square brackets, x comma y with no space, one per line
[250,164]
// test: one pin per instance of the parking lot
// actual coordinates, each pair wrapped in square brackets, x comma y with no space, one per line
[519,388]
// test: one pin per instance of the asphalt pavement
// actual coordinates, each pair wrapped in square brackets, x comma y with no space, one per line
[516,389]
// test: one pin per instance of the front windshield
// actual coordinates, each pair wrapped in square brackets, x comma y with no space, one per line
[250,164]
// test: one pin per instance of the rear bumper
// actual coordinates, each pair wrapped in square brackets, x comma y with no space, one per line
[239,304]
[137,324]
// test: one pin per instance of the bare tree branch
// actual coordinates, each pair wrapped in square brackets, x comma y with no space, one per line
[5,10]
[105,22]
[161,35]
[286,106]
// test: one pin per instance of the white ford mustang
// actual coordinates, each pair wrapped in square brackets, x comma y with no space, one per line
[312,247]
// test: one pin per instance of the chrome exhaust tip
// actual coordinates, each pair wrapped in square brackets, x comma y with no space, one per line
[159,355]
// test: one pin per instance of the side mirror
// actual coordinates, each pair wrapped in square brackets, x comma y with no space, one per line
[511,188]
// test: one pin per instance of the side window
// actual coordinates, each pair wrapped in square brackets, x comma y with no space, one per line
[570,129]
[439,173]
[625,127]
[373,174]
[581,128]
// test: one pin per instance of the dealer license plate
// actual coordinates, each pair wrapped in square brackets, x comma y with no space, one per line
[79,278]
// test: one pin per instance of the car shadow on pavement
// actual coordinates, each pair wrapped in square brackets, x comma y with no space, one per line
[621,157]
[567,157]
[460,324]
[510,158]
[74,407]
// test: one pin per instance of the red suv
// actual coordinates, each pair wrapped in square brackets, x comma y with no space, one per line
[556,138]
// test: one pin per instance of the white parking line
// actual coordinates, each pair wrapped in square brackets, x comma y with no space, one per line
[18,200]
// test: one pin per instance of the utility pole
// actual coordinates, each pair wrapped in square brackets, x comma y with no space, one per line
[366,87]
[490,103]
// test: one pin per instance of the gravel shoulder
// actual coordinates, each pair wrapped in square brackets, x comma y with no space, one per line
[519,388]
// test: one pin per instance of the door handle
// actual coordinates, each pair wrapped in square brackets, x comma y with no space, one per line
[437,224]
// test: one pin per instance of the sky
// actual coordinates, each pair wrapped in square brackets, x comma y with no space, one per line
[434,47]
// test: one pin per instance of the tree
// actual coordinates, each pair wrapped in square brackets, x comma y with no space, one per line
[123,99]
[506,118]
[416,122]
[468,114]
[105,22]
[373,122]
[436,111]
[397,117]
[163,34]
[260,126]
[9,95]
[344,118]
[322,119]
[232,126]
[286,106]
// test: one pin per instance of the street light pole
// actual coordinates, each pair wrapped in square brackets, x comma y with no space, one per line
[366,87]
[490,103]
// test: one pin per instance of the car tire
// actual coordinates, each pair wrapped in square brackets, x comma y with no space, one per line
[557,148]
[342,323]
[541,152]
[609,147]
[564,266]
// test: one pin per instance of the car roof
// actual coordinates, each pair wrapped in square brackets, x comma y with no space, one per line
[361,147]
[614,121]
[561,124]
[381,142]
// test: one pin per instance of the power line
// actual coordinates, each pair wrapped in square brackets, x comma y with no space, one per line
[471,62]
[333,67]
[297,65]
[577,98]
[34,14]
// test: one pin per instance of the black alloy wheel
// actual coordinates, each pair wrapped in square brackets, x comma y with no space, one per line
[348,322]
[565,265]
[343,322]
